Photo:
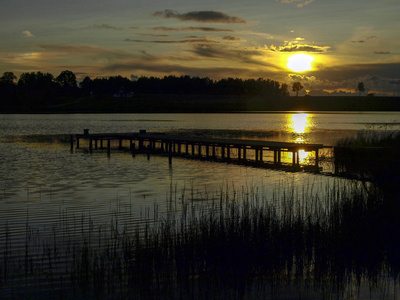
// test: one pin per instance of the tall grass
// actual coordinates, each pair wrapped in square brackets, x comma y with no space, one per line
[372,156]
[238,246]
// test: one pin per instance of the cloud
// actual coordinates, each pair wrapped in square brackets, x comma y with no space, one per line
[107,26]
[93,52]
[248,57]
[27,34]
[364,40]
[187,41]
[301,4]
[209,16]
[231,38]
[299,48]
[338,73]
[153,35]
[382,52]
[177,69]
[205,29]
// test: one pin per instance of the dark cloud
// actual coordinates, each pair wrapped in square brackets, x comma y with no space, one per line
[153,35]
[107,26]
[301,48]
[382,52]
[201,16]
[205,29]
[231,38]
[364,40]
[339,73]
[187,41]
[94,52]
[239,55]
[178,69]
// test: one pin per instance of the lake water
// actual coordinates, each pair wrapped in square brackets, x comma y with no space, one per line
[40,177]
[42,183]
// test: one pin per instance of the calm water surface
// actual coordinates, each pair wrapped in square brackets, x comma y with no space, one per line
[42,180]
[46,187]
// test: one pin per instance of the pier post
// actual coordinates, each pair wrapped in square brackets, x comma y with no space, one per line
[72,143]
[77,142]
[95,143]
[148,148]
[169,153]
[192,149]
[108,147]
[140,144]
[101,143]
[90,145]
[293,158]
[261,155]
[222,151]
[132,147]
[207,151]
[316,158]
[244,153]
[256,150]
[213,151]
[298,158]
[199,153]
[228,152]
[239,153]
[187,148]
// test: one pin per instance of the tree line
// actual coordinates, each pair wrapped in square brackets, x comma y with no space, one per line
[42,88]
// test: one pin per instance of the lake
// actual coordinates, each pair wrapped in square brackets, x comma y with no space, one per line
[43,177]
[44,185]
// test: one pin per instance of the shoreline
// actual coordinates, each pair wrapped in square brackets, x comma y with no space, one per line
[168,103]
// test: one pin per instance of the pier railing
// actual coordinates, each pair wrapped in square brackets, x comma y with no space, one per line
[241,151]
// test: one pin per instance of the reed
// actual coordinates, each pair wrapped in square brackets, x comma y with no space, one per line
[372,156]
[239,245]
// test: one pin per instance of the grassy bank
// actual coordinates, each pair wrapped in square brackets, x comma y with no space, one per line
[293,245]
[372,156]
[142,103]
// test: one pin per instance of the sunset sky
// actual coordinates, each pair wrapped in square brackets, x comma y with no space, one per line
[349,40]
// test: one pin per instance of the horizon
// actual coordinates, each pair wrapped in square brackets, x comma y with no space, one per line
[344,42]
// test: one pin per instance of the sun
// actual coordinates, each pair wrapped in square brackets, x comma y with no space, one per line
[300,62]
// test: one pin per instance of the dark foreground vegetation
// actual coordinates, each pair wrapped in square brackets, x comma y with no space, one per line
[241,246]
[38,92]
[373,156]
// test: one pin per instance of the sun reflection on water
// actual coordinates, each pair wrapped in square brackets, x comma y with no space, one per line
[299,124]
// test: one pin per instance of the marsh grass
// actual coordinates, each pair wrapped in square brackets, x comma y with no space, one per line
[239,245]
[372,156]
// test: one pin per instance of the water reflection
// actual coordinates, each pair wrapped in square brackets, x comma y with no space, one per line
[299,125]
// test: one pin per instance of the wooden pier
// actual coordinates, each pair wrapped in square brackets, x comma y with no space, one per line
[240,151]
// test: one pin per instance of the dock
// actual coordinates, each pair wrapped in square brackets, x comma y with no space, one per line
[240,151]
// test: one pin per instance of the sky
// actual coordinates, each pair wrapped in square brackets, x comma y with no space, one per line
[348,41]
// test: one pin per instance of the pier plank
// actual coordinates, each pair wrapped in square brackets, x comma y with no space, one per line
[225,145]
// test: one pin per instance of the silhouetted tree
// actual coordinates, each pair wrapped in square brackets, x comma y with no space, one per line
[284,89]
[360,88]
[37,88]
[7,89]
[297,87]
[8,78]
[66,79]
[86,85]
